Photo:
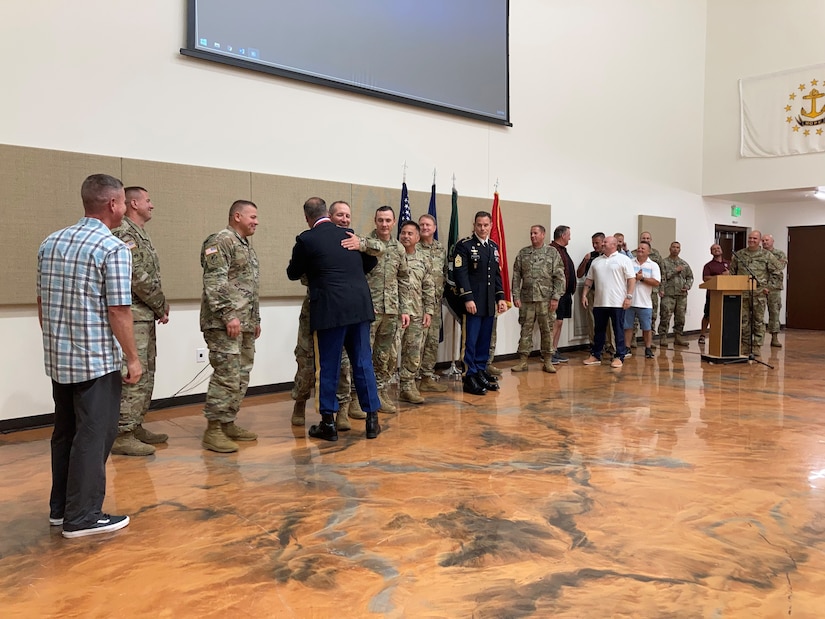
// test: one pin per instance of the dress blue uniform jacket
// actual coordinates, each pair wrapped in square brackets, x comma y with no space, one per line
[478,275]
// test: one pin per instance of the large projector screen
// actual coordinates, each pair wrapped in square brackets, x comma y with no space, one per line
[448,55]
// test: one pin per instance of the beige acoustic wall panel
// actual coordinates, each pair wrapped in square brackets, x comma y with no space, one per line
[39,193]
[280,201]
[662,231]
[191,202]
[365,199]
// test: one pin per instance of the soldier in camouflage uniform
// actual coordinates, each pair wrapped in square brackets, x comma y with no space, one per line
[677,279]
[341,215]
[436,256]
[148,305]
[388,283]
[775,294]
[538,284]
[231,322]
[419,306]
[765,267]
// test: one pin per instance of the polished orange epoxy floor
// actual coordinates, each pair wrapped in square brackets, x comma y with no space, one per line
[669,488]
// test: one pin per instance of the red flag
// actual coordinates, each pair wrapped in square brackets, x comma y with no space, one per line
[497,234]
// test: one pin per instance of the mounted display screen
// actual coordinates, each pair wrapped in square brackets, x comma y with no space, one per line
[449,55]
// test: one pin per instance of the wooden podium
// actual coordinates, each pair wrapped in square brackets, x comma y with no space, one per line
[726,307]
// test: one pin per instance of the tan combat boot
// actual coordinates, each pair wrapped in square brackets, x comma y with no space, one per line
[237,433]
[215,440]
[548,365]
[491,369]
[521,366]
[150,438]
[342,423]
[299,412]
[428,383]
[386,404]
[410,394]
[775,340]
[127,445]
[679,340]
[355,411]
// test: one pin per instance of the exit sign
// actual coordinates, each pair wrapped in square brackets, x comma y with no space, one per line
[735,211]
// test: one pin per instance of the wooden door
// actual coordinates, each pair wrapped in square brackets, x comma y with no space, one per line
[731,239]
[805,292]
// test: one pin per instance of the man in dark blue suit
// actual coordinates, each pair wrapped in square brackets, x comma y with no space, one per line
[479,287]
[340,312]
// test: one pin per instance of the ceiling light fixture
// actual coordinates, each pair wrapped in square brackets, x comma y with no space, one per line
[819,193]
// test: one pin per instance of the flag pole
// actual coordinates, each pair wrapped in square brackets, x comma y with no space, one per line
[453,372]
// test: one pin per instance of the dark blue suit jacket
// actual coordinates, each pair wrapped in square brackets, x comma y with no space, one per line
[338,290]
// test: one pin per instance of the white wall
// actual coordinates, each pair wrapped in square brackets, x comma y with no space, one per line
[747,38]
[777,218]
[607,103]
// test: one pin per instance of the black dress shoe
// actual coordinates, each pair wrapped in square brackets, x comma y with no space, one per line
[473,386]
[325,430]
[487,384]
[372,426]
[489,377]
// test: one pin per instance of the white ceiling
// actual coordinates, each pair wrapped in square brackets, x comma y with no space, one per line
[802,194]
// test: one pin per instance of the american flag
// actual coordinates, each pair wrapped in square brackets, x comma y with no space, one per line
[404,213]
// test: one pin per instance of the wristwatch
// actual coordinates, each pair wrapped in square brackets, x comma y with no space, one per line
[628,296]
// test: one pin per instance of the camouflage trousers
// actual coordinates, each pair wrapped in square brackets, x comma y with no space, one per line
[304,357]
[429,350]
[383,333]
[759,303]
[675,307]
[412,342]
[231,359]
[306,373]
[530,313]
[774,304]
[493,339]
[135,399]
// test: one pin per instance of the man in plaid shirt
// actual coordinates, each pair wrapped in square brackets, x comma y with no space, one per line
[84,305]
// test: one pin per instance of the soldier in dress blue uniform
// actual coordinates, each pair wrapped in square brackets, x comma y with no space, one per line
[478,286]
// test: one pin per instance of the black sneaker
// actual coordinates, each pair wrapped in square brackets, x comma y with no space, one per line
[557,358]
[105,524]
[648,353]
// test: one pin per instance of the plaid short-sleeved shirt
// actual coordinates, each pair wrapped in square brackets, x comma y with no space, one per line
[82,270]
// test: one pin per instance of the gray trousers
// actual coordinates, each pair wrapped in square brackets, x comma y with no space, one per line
[85,427]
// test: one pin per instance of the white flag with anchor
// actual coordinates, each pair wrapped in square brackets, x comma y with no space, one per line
[783,113]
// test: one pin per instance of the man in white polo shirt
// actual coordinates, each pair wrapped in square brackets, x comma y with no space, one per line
[615,280]
[648,277]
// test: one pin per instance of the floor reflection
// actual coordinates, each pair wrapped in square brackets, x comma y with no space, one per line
[669,488]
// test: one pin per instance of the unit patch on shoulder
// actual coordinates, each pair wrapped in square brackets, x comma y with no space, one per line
[457,261]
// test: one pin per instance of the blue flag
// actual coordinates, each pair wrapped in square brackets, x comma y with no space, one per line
[431,211]
[404,212]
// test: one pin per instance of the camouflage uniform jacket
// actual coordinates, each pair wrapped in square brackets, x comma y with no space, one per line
[763,263]
[389,280]
[673,281]
[230,282]
[436,256]
[538,274]
[148,300]
[777,281]
[421,299]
